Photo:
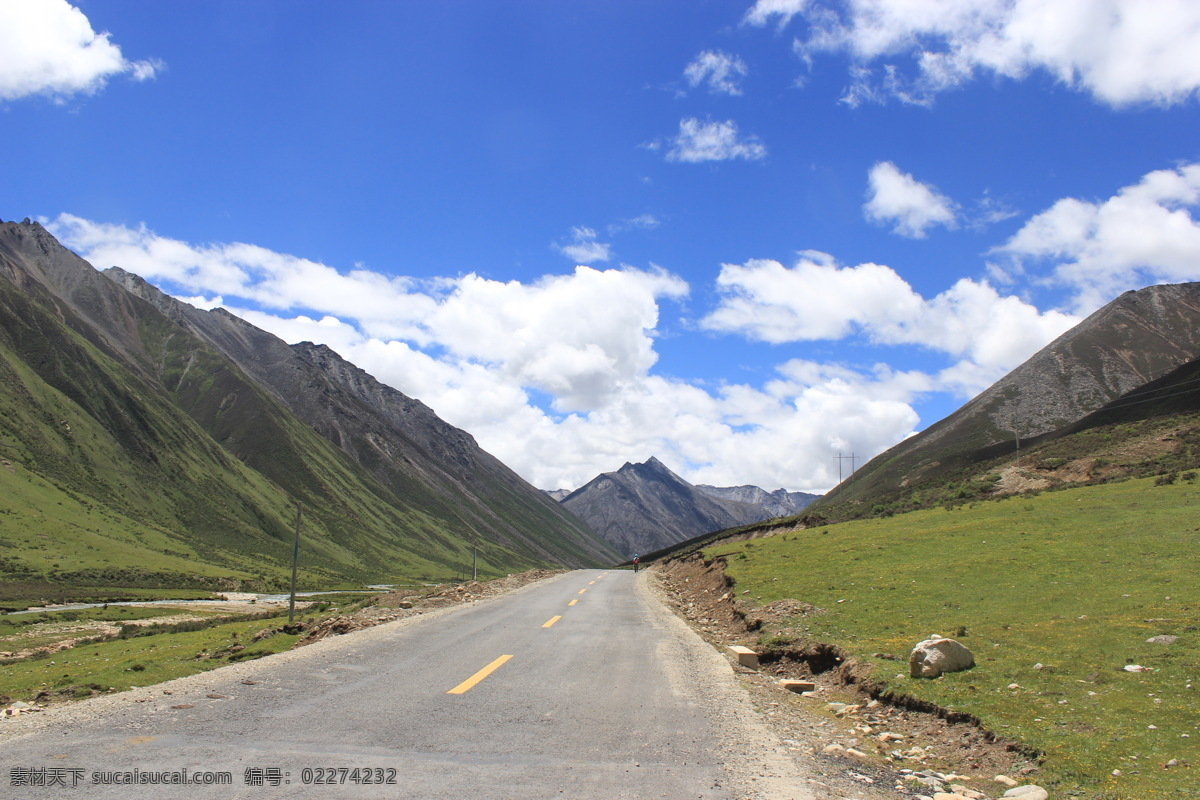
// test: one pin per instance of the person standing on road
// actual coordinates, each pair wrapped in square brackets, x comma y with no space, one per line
[636,561]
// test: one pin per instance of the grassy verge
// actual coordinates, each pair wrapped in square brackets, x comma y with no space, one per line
[1056,594]
[122,664]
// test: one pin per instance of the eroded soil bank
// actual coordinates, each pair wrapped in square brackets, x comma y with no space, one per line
[850,720]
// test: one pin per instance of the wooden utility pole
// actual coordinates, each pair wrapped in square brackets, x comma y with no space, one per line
[295,567]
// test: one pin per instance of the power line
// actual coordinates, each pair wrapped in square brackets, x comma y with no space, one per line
[840,458]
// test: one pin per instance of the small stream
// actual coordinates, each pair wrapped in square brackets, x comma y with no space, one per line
[265,599]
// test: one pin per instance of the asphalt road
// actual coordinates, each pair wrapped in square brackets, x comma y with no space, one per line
[590,694]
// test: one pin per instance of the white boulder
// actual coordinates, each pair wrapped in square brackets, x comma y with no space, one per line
[936,656]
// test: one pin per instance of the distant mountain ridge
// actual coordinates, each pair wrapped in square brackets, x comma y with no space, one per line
[198,430]
[779,503]
[645,507]
[1133,340]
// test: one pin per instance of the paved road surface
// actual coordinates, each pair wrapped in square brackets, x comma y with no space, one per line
[592,693]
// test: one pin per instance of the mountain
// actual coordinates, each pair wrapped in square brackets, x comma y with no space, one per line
[1176,393]
[779,503]
[645,507]
[1133,340]
[398,439]
[146,442]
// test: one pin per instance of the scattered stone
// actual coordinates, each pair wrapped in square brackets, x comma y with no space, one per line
[1135,668]
[215,696]
[967,792]
[183,705]
[833,750]
[1005,780]
[1029,792]
[799,687]
[936,656]
[1164,639]
[927,781]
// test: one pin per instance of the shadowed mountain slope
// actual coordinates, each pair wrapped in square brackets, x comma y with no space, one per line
[186,434]
[1134,339]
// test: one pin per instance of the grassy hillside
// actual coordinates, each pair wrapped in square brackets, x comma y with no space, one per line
[1056,593]
[1128,439]
[106,482]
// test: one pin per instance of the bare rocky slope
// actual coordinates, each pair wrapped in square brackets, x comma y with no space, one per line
[645,507]
[1135,339]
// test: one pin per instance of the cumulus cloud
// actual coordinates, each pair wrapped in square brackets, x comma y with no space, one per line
[1121,51]
[713,141]
[1146,233]
[722,72]
[385,305]
[48,47]
[557,377]
[819,300]
[897,198]
[582,247]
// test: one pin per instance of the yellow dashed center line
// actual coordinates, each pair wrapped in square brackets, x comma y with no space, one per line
[470,682]
[573,602]
[552,621]
[590,583]
[581,591]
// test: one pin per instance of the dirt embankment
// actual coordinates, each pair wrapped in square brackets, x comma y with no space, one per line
[895,735]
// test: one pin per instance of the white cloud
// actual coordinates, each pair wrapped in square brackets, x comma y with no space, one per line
[819,300]
[763,10]
[1121,51]
[897,197]
[384,305]
[642,222]
[556,377]
[48,47]
[721,71]
[712,141]
[1144,234]
[583,247]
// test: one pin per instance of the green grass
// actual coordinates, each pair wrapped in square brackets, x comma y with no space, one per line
[165,466]
[139,661]
[15,623]
[1075,581]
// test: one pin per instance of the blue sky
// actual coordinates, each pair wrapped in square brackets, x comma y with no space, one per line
[739,236]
